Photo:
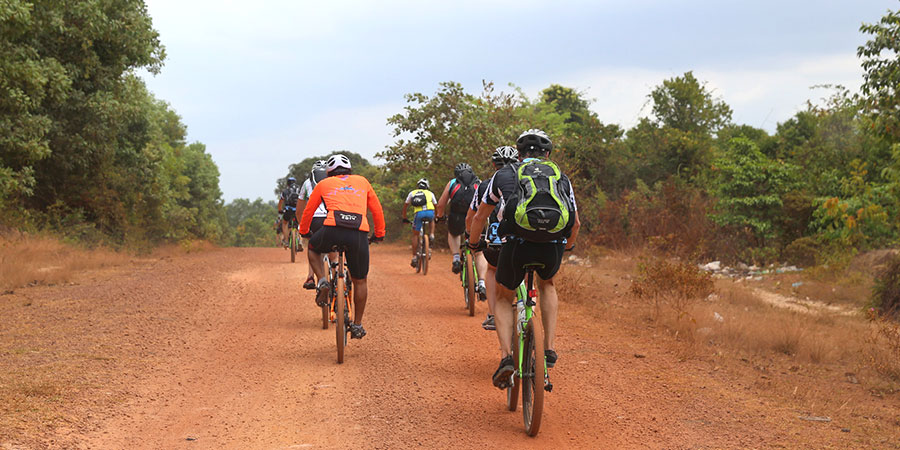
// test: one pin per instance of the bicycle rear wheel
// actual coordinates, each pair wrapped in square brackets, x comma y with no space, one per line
[512,391]
[470,284]
[425,253]
[293,244]
[533,377]
[340,324]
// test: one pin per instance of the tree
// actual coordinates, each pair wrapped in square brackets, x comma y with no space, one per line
[881,72]
[683,103]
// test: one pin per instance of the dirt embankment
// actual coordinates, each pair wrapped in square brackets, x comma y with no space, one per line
[221,349]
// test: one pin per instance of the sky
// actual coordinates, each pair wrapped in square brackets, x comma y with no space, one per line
[267,83]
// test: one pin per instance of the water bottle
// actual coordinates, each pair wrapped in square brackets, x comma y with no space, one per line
[520,310]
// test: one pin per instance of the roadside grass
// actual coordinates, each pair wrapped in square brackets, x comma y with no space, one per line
[35,260]
[730,317]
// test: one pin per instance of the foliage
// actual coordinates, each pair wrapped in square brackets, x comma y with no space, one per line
[253,222]
[881,70]
[749,187]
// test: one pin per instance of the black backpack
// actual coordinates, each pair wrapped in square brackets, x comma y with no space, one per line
[419,199]
[291,195]
[463,191]
[540,210]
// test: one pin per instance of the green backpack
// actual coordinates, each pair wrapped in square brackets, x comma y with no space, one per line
[541,210]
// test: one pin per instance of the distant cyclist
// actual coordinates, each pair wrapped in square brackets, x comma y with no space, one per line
[316,174]
[422,200]
[454,202]
[488,258]
[346,197]
[527,194]
[287,207]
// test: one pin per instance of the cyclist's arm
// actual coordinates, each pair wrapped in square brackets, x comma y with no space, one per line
[570,242]
[280,204]
[403,213]
[478,222]
[445,197]
[377,214]
[470,214]
[315,197]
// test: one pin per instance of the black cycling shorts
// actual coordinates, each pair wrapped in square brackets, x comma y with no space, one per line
[357,247]
[515,254]
[491,254]
[456,224]
[316,223]
[289,214]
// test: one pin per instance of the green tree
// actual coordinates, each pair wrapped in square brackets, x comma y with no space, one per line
[881,72]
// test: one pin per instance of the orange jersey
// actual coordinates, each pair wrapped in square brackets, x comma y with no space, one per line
[344,194]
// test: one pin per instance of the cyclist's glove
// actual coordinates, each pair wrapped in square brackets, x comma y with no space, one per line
[373,239]
[280,212]
[405,220]
[570,248]
[440,219]
[477,247]
[306,236]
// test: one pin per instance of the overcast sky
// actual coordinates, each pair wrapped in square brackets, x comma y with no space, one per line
[268,83]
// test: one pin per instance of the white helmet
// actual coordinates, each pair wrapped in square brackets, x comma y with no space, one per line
[337,162]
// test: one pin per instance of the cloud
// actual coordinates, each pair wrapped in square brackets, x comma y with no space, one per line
[250,166]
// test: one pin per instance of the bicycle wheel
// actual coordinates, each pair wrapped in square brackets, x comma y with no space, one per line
[419,255]
[425,253]
[340,325]
[512,391]
[470,284]
[533,377]
[293,244]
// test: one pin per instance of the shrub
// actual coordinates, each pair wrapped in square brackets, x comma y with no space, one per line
[802,252]
[886,292]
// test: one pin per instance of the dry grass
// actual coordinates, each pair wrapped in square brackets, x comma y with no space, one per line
[31,260]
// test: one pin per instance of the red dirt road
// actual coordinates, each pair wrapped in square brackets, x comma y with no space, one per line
[222,349]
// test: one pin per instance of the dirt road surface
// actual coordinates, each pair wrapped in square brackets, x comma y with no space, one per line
[222,349]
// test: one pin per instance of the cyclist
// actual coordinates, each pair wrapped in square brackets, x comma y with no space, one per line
[346,198]
[487,259]
[534,146]
[457,194]
[422,201]
[316,174]
[287,207]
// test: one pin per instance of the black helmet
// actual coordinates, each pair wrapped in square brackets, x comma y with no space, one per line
[505,155]
[461,168]
[534,140]
[422,184]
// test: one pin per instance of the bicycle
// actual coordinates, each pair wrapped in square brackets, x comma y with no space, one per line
[294,239]
[423,254]
[528,347]
[338,309]
[468,276]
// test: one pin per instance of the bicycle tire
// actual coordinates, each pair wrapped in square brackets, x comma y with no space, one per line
[424,257]
[533,378]
[470,284]
[463,282]
[340,326]
[293,245]
[419,255]
[512,391]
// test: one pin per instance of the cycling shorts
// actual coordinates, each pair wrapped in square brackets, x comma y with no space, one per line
[357,247]
[491,254]
[456,224]
[515,254]
[420,216]
[317,222]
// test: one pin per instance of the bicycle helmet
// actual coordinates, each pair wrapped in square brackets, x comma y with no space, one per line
[291,180]
[505,155]
[534,140]
[422,184]
[337,162]
[461,168]
[319,165]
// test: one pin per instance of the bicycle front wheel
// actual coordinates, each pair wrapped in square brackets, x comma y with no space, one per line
[533,376]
